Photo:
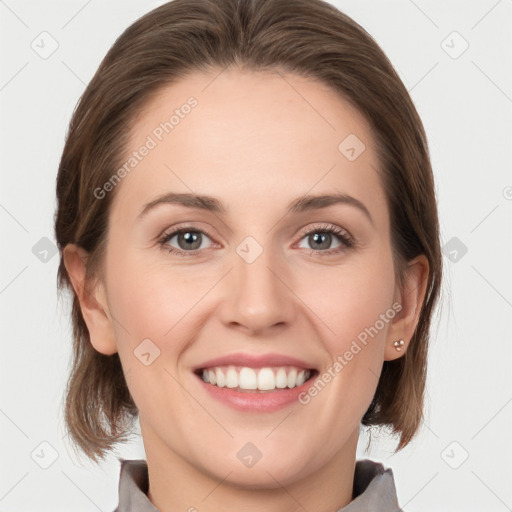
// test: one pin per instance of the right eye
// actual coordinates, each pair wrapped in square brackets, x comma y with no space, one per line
[189,241]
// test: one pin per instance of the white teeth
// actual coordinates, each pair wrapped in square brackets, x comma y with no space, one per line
[221,379]
[231,378]
[263,379]
[281,378]
[292,378]
[266,379]
[247,379]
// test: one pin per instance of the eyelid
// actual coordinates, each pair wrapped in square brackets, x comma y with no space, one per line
[320,227]
[183,226]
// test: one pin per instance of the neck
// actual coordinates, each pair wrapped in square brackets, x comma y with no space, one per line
[176,484]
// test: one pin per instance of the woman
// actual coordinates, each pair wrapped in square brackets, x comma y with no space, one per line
[247,221]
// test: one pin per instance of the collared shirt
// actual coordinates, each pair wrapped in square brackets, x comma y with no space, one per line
[373,491]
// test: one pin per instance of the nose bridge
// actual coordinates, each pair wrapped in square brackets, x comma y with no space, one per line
[256,296]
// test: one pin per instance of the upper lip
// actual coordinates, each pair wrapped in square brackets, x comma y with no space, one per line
[254,361]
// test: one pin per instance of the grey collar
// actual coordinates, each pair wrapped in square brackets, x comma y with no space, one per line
[374,488]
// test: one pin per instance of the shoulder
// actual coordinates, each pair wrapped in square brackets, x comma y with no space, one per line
[374,489]
[133,487]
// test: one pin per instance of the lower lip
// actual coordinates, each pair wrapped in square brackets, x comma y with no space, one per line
[257,401]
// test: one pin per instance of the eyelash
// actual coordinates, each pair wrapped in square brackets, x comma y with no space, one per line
[343,236]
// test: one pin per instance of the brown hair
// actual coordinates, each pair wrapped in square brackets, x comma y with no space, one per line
[307,37]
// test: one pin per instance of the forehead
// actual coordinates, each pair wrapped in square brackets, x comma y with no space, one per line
[249,137]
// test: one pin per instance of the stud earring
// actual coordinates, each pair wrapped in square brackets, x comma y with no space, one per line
[398,344]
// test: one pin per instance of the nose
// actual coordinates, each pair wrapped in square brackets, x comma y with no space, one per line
[257,298]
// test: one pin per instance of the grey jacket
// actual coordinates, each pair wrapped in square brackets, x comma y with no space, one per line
[374,488]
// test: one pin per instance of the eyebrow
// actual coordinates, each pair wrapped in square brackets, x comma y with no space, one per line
[211,204]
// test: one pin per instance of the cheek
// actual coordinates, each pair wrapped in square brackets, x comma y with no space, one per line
[152,297]
[354,305]
[350,298]
[343,391]
[153,307]
[160,303]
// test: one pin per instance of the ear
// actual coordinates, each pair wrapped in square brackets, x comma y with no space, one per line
[92,299]
[410,298]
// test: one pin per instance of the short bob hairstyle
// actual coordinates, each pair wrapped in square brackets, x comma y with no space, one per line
[310,38]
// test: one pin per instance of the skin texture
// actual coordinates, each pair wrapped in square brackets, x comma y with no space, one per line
[256,142]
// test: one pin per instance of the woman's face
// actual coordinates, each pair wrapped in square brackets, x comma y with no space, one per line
[250,275]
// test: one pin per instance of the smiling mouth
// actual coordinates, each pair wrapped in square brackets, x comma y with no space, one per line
[256,380]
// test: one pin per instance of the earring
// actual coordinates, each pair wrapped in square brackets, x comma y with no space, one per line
[398,344]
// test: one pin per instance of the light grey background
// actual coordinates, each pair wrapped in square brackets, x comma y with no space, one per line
[465,102]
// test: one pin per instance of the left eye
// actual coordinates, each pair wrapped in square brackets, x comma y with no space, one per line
[322,239]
